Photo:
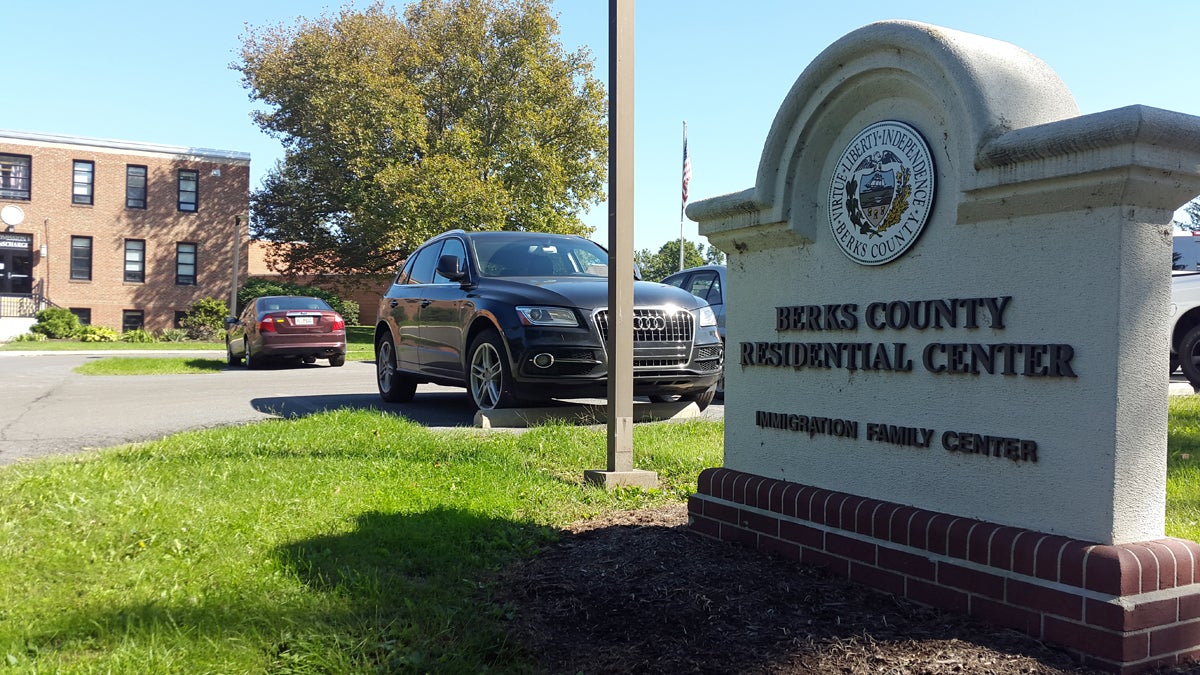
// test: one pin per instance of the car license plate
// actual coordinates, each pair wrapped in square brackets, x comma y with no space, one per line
[304,321]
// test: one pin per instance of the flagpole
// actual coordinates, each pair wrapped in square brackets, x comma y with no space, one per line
[687,175]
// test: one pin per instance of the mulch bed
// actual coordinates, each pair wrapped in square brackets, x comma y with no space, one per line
[639,592]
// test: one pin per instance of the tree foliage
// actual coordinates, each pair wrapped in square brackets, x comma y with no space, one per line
[458,114]
[658,266]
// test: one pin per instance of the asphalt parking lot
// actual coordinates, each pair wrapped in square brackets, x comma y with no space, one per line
[49,409]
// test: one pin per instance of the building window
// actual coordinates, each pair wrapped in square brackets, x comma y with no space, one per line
[189,190]
[84,314]
[15,176]
[82,182]
[135,260]
[81,258]
[132,319]
[135,186]
[185,264]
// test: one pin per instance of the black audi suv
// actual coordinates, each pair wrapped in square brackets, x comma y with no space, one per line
[522,317]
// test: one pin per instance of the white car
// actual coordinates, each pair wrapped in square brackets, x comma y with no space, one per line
[706,282]
[1185,324]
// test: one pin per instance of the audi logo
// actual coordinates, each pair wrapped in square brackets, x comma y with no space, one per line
[649,323]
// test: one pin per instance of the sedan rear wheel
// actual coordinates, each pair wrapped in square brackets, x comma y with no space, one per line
[252,362]
[394,386]
[489,379]
[338,360]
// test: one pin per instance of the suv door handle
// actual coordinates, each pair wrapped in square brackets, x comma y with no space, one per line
[425,303]
[394,304]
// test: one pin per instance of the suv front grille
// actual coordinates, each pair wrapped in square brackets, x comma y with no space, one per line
[654,325]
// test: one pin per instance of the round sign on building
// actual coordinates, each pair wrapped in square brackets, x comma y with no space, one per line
[881,193]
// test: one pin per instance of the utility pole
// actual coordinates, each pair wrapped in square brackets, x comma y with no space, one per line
[237,263]
[620,255]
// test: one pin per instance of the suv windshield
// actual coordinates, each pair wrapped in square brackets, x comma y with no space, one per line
[539,256]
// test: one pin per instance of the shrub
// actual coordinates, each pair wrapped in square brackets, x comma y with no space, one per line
[30,337]
[173,335]
[349,312]
[137,335]
[56,322]
[97,334]
[205,319]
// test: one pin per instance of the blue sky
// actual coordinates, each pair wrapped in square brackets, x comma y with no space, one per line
[158,72]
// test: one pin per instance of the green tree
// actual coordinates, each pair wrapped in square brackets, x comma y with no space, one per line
[459,114]
[658,266]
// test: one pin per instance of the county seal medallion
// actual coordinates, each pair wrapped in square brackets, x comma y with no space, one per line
[881,193]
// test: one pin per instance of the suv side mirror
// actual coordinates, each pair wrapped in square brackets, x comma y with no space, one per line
[230,321]
[451,267]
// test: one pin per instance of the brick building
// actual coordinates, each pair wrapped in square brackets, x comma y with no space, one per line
[124,234]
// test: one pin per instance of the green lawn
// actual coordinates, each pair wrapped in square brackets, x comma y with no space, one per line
[151,365]
[343,542]
[350,541]
[1183,468]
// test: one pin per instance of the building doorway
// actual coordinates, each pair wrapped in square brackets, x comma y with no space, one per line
[16,264]
[16,273]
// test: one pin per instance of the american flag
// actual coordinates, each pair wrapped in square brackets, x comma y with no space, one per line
[687,170]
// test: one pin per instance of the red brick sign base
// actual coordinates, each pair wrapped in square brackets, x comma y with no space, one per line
[1123,608]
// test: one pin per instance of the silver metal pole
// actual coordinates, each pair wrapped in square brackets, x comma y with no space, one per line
[620,236]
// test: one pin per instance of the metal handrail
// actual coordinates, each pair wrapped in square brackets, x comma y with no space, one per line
[24,305]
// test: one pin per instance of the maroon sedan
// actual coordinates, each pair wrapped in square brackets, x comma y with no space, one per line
[286,326]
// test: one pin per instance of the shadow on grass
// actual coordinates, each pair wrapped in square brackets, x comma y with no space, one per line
[212,365]
[397,593]
[414,584]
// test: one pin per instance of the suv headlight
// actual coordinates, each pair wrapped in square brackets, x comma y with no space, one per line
[547,316]
[707,316]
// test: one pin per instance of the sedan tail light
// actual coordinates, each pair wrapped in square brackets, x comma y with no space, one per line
[267,325]
[338,322]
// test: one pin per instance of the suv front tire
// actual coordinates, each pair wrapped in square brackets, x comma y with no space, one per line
[489,379]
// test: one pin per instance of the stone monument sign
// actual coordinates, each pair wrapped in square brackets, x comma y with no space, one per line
[946,348]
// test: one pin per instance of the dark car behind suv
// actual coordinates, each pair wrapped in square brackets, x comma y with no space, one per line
[520,317]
